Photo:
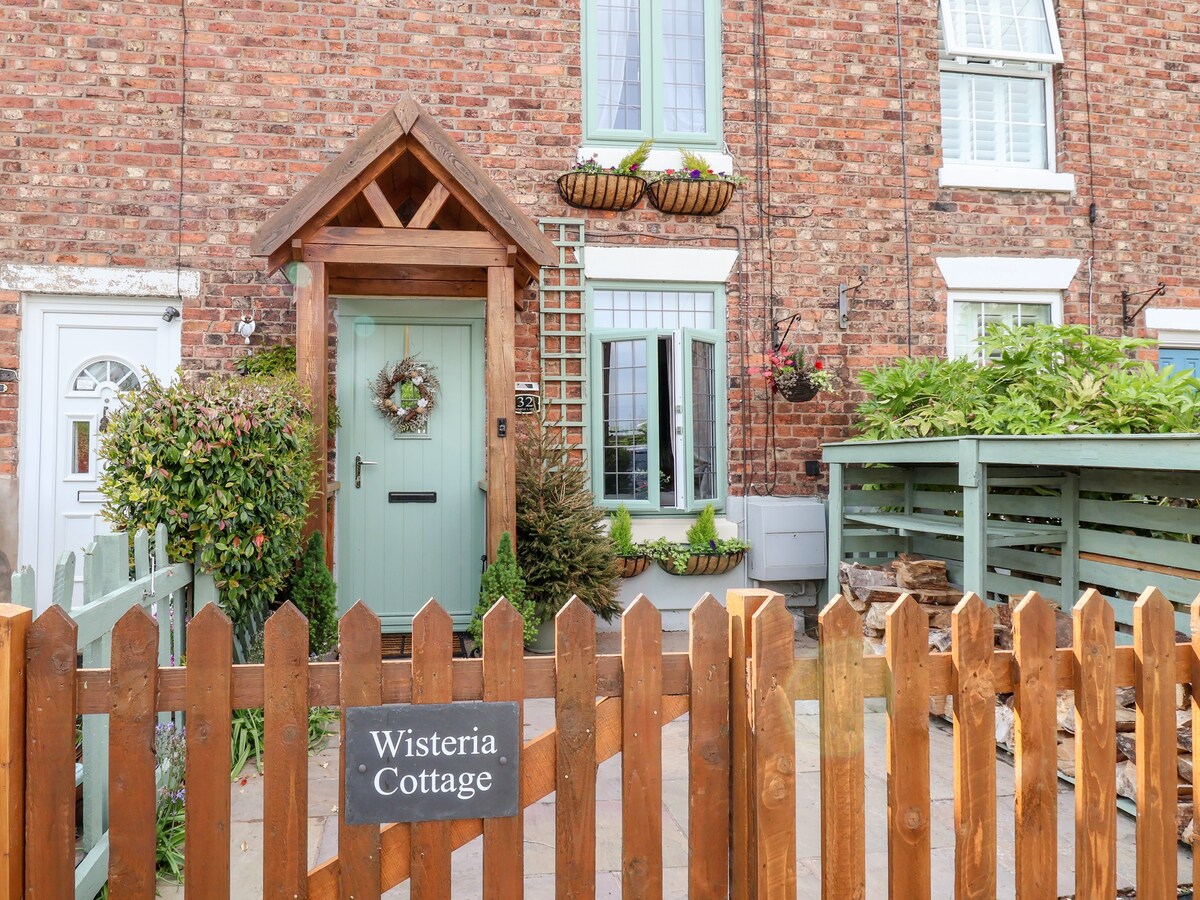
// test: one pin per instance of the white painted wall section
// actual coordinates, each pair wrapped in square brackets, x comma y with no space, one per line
[1007,273]
[685,264]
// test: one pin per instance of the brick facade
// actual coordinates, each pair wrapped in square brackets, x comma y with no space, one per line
[123,147]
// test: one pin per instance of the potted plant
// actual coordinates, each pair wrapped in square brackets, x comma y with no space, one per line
[694,189]
[703,554]
[589,185]
[631,560]
[790,375]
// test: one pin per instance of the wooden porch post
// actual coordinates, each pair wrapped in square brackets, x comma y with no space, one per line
[500,360]
[312,369]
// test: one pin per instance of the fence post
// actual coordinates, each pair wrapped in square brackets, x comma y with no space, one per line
[773,713]
[204,588]
[14,626]
[741,605]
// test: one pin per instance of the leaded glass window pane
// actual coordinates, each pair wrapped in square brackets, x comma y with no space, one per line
[704,420]
[618,81]
[625,402]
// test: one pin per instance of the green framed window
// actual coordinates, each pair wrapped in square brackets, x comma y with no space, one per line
[652,68]
[657,396]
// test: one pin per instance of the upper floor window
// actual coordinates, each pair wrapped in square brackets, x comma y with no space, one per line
[997,94]
[652,70]
[657,392]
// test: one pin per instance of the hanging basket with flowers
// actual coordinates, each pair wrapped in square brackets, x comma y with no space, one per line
[694,189]
[589,185]
[790,375]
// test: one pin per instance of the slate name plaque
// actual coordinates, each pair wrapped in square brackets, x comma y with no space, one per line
[427,762]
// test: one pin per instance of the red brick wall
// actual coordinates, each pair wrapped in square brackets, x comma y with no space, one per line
[91,143]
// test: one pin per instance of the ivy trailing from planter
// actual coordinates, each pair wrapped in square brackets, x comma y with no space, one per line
[702,541]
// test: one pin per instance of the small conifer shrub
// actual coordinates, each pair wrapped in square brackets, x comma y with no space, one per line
[620,532]
[503,579]
[563,547]
[314,593]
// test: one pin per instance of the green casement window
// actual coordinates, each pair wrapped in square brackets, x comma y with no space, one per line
[652,68]
[657,395]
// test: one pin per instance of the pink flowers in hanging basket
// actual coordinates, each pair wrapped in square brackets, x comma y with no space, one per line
[792,377]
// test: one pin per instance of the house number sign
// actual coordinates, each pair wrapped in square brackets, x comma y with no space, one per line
[528,404]
[426,762]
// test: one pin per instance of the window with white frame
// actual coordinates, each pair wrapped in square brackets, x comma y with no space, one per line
[657,395]
[997,92]
[973,312]
[652,70]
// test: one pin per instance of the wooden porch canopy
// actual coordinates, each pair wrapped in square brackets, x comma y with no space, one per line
[403,212]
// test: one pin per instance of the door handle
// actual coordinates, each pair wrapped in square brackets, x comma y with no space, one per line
[359,462]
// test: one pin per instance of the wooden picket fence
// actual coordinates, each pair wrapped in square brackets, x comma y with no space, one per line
[973,673]
[738,683]
[110,589]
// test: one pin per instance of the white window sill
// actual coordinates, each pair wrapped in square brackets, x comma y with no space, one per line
[1002,178]
[659,160]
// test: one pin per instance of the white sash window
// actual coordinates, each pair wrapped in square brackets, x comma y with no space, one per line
[997,94]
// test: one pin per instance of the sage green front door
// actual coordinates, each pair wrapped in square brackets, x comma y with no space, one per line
[411,512]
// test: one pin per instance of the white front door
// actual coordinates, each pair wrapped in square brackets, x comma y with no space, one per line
[77,357]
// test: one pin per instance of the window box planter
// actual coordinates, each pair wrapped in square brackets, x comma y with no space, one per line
[632,566]
[691,197]
[601,190]
[705,563]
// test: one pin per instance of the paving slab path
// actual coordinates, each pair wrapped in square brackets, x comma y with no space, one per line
[247,794]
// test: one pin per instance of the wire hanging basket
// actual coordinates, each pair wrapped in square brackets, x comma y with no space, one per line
[601,190]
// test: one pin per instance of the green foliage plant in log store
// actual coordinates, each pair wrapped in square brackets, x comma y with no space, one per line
[561,543]
[503,579]
[1040,379]
[226,463]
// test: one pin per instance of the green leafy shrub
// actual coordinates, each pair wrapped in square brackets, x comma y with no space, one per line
[702,540]
[503,579]
[560,532]
[281,360]
[1042,379]
[226,464]
[312,590]
[620,532]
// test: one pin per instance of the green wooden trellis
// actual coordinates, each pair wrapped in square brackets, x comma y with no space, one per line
[562,338]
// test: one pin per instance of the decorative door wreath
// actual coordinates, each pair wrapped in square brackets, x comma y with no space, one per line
[417,384]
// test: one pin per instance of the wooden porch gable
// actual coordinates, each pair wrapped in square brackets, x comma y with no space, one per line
[403,212]
[404,195]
